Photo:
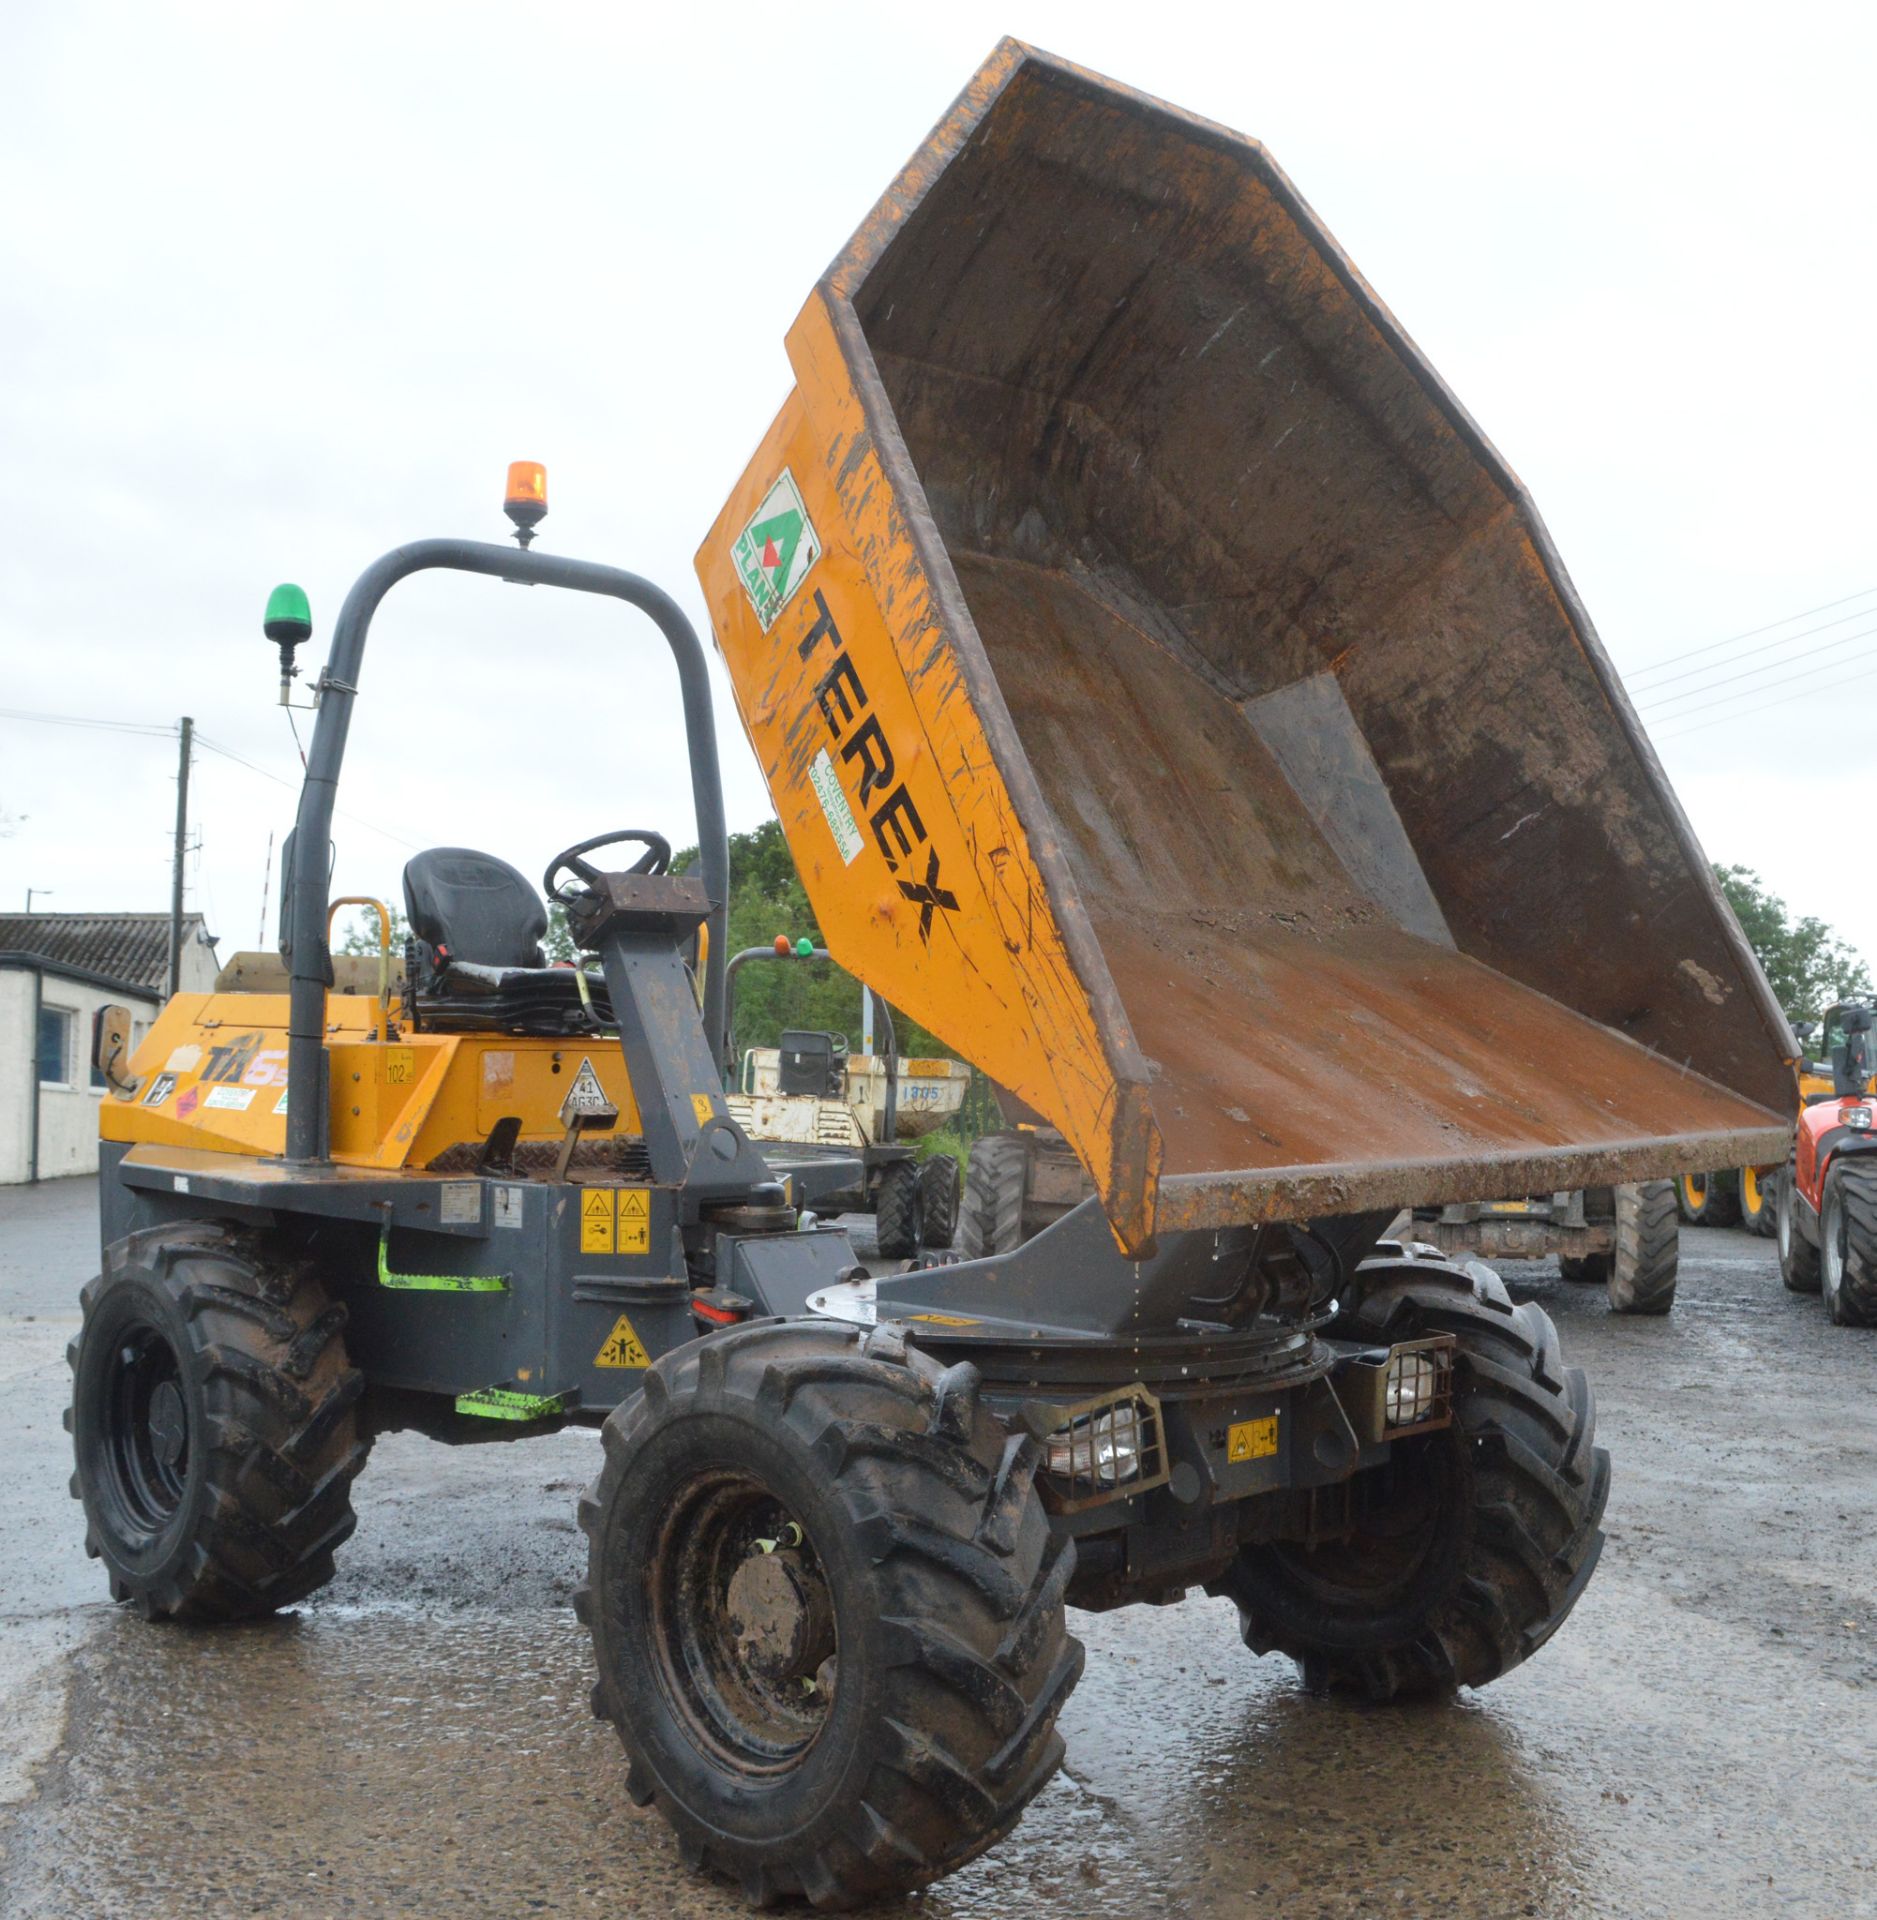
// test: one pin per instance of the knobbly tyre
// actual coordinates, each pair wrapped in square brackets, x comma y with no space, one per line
[1093,670]
[1827,1200]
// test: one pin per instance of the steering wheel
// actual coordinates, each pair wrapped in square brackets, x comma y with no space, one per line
[655,859]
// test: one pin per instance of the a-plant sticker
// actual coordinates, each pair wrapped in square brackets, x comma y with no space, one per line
[775,551]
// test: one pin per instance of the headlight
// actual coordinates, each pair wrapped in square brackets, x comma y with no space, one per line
[1418,1386]
[1856,1118]
[1105,1449]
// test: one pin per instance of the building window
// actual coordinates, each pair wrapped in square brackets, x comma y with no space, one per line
[58,1047]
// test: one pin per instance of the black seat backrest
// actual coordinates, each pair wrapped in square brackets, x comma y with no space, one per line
[471,906]
[810,1064]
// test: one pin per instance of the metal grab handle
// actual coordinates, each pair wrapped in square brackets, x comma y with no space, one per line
[384,952]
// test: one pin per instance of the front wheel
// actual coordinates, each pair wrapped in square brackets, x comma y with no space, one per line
[1757,1208]
[1462,1554]
[1648,1249]
[827,1608]
[214,1422]
[896,1210]
[1707,1199]
[939,1182]
[1798,1258]
[1848,1244]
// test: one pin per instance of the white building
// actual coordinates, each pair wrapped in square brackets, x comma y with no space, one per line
[56,971]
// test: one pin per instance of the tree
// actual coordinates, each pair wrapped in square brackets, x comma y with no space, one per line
[1808,966]
[361,932]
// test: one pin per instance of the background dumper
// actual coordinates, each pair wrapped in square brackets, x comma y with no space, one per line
[1276,825]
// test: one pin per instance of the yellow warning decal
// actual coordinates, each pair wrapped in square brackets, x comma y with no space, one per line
[944,1320]
[635,1223]
[596,1220]
[623,1347]
[704,1107]
[400,1066]
[1252,1439]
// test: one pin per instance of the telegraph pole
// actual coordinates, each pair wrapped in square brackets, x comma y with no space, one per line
[187,731]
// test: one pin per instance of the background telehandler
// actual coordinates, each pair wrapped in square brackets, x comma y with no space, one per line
[1091,606]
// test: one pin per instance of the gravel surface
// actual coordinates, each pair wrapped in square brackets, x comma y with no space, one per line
[1701,1739]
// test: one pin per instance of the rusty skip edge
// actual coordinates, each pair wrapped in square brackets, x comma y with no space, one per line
[1195,1200]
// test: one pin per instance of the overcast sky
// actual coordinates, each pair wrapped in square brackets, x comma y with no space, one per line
[283,286]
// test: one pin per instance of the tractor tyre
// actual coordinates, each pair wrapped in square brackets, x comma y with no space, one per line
[1798,1258]
[214,1419]
[1758,1208]
[991,1216]
[1707,1199]
[1648,1248]
[1471,1544]
[939,1184]
[1848,1256]
[896,1210]
[827,1609]
[1585,1270]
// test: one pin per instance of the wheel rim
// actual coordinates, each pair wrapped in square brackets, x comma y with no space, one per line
[1751,1199]
[744,1640]
[1785,1222]
[1831,1234]
[1694,1191]
[146,1427]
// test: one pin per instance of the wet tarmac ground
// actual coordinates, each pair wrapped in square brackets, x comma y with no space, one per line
[1701,1738]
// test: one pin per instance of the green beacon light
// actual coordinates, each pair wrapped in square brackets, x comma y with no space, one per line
[287,622]
[805,947]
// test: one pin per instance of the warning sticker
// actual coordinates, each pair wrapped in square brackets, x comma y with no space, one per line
[623,1347]
[596,1220]
[586,1097]
[635,1220]
[841,822]
[773,553]
[186,1103]
[232,1099]
[400,1066]
[704,1107]
[1252,1439]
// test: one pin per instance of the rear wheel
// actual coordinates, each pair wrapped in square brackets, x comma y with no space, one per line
[1798,1258]
[1757,1211]
[214,1422]
[991,1214]
[1648,1249]
[896,1210]
[1465,1552]
[1707,1199]
[827,1609]
[939,1183]
[1848,1244]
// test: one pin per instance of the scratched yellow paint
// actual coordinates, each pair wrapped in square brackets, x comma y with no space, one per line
[212,1073]
[937,900]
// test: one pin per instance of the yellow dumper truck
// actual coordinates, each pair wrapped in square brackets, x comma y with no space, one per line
[1175,705]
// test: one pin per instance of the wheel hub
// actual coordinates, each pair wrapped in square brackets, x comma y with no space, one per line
[780,1617]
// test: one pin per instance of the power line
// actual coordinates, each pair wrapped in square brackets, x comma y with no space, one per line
[1773,666]
[1752,633]
[1778,700]
[279,780]
[150,728]
[1769,646]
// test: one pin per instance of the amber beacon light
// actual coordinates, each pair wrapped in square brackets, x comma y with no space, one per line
[525,501]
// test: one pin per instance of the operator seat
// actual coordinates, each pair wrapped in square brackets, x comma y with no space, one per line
[465,905]
[477,965]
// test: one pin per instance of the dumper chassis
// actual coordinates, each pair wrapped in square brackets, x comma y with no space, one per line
[839,1515]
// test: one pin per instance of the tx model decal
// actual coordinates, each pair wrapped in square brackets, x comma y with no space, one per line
[897,828]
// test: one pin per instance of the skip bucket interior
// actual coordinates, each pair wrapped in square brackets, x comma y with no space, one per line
[1291,688]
